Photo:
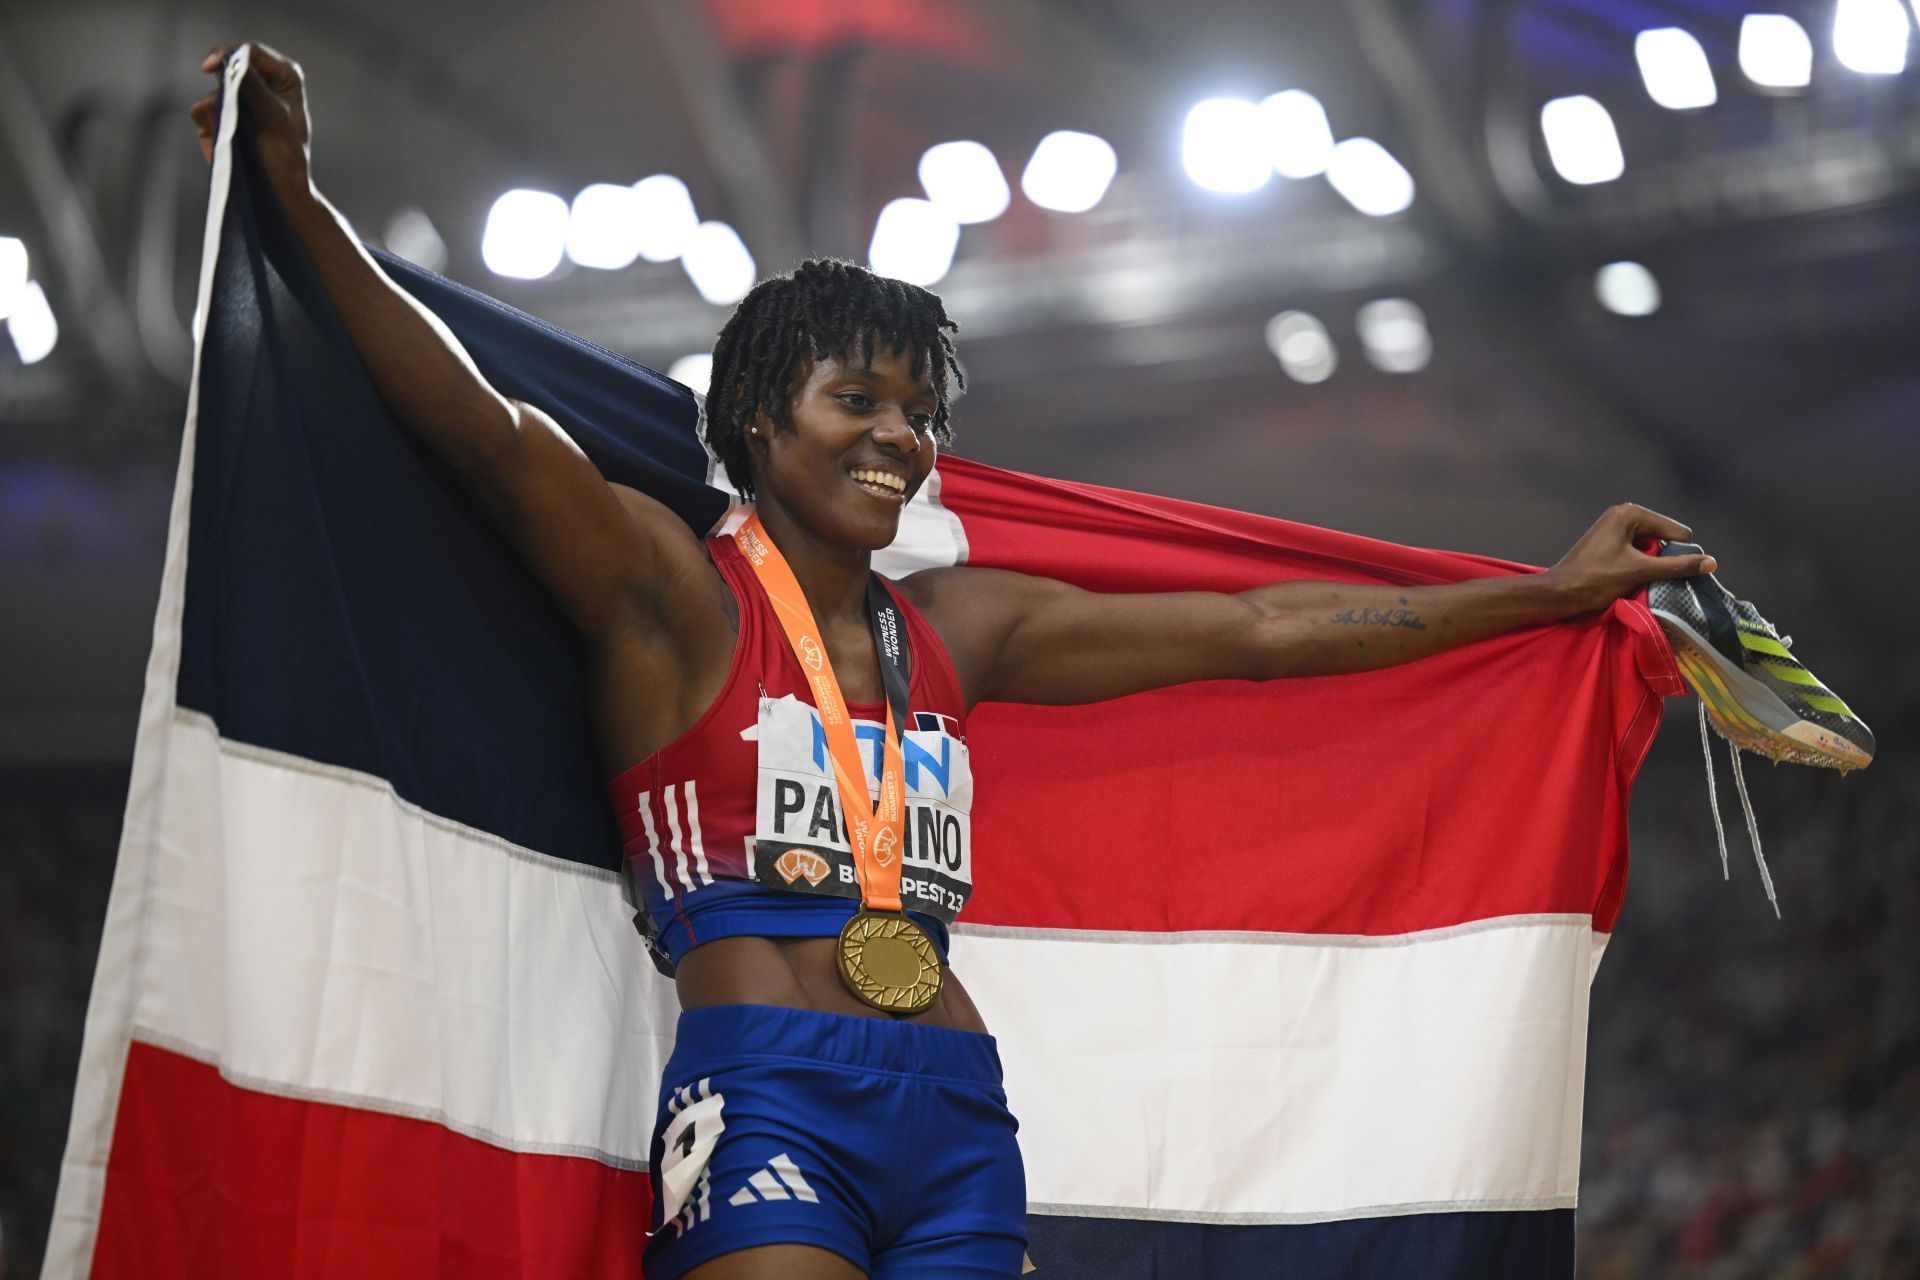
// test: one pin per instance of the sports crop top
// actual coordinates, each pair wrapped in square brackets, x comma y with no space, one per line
[734,827]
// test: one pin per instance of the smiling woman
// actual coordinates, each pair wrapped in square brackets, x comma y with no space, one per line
[827,314]
[785,733]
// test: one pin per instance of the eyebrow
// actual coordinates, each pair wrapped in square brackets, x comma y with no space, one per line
[870,377]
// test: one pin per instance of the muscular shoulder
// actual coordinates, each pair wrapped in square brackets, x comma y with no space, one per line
[689,589]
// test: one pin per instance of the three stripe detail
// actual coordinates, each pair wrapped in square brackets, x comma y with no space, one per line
[769,1183]
[676,797]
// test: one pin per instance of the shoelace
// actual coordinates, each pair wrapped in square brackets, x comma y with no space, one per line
[1746,806]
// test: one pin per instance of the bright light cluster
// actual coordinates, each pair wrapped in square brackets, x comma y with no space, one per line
[1303,346]
[1069,172]
[23,305]
[411,234]
[1224,146]
[1234,145]
[526,234]
[1370,178]
[914,241]
[606,227]
[1581,140]
[963,181]
[1627,289]
[1675,69]
[1869,36]
[1393,334]
[717,261]
[1775,52]
[696,371]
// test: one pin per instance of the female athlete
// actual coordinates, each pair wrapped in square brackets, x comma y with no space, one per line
[771,720]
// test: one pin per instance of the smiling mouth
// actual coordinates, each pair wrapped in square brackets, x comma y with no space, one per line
[883,484]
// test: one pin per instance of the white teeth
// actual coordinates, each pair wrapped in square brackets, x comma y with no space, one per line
[884,479]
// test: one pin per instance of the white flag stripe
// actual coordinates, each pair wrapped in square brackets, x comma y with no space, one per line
[358,956]
[693,832]
[316,936]
[1455,1063]
[679,841]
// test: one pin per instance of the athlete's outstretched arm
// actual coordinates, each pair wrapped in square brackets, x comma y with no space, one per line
[607,557]
[1016,638]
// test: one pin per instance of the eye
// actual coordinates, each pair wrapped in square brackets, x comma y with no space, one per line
[855,400]
[922,422]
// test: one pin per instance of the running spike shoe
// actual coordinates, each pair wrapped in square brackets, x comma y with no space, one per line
[1757,695]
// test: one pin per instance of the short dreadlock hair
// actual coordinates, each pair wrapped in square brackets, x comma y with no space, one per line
[826,308]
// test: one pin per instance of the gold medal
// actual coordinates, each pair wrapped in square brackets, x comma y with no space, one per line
[886,960]
[889,962]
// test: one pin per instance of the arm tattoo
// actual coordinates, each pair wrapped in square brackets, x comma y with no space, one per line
[1360,617]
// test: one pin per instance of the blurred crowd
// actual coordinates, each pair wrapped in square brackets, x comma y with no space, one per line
[1753,1103]
[59,828]
[1753,1084]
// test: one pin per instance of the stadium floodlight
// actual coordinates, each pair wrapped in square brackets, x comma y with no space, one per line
[411,234]
[964,180]
[1581,140]
[31,325]
[1627,289]
[695,371]
[1299,139]
[1775,51]
[1069,171]
[717,262]
[13,274]
[526,234]
[1870,36]
[603,227]
[1303,346]
[1224,146]
[1393,332]
[913,240]
[1370,179]
[1675,69]
[663,216]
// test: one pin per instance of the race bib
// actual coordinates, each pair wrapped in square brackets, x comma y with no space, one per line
[800,842]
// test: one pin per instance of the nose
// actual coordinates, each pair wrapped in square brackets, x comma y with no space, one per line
[893,431]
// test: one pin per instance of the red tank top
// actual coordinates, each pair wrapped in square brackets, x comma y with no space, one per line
[734,827]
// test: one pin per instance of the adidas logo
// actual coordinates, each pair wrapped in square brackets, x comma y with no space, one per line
[779,1180]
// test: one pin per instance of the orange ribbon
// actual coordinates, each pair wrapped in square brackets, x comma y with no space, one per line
[873,829]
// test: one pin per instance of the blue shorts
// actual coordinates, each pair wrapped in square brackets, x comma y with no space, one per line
[889,1143]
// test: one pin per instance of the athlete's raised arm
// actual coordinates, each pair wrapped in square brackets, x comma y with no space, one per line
[606,556]
[1016,638]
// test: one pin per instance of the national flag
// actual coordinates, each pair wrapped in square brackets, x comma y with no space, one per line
[1289,978]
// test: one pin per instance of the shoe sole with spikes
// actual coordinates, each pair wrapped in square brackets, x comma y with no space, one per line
[1757,695]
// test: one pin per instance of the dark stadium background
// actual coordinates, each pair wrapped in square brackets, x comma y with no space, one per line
[1753,1099]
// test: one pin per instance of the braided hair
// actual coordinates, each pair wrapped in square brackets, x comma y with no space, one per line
[826,308]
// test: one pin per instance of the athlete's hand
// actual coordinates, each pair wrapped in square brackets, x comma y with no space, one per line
[1608,562]
[276,95]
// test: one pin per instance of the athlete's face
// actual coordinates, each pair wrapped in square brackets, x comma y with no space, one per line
[860,445]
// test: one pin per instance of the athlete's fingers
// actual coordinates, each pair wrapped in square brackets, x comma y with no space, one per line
[216,56]
[203,114]
[1681,566]
[277,69]
[1641,520]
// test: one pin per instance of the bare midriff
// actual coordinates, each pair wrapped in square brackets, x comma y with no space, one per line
[800,973]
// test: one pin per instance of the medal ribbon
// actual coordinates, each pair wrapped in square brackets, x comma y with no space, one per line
[874,830]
